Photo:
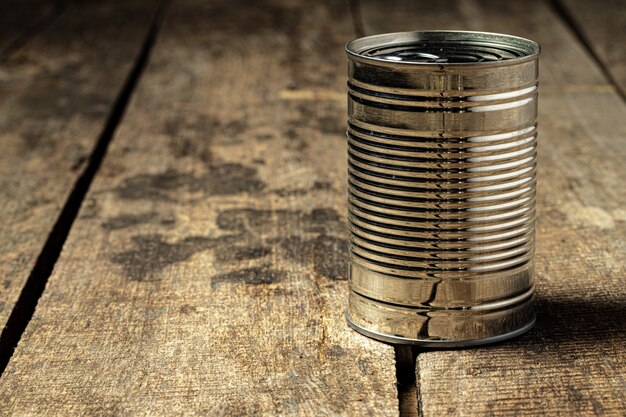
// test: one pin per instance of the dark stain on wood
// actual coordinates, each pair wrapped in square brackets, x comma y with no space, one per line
[232,178]
[328,254]
[322,215]
[241,253]
[255,221]
[322,185]
[234,127]
[324,220]
[155,186]
[151,253]
[264,274]
[127,220]
[296,141]
[242,219]
[332,125]
[317,185]
[221,179]
[182,147]
[336,350]
[168,221]
[291,193]
[192,136]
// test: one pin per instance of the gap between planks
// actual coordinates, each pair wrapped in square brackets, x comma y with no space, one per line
[32,290]
[405,356]
[566,17]
[408,391]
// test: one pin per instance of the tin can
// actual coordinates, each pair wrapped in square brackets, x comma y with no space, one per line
[442,137]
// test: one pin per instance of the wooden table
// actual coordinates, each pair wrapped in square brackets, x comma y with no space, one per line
[173,189]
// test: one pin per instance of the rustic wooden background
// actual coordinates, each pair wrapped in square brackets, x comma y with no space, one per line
[173,203]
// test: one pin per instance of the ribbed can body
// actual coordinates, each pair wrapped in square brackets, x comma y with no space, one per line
[442,144]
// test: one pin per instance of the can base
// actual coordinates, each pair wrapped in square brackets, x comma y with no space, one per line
[440,343]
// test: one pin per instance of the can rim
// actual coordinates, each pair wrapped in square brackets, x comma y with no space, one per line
[439,344]
[355,48]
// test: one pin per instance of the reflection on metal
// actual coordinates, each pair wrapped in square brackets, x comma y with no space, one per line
[442,137]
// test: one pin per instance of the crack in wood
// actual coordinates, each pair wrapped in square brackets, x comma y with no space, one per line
[408,392]
[561,11]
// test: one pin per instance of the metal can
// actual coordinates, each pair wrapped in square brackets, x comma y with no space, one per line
[442,137]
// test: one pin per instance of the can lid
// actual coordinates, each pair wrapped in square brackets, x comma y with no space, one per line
[442,47]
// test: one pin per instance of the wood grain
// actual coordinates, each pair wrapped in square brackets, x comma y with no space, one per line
[574,361]
[56,94]
[206,272]
[603,24]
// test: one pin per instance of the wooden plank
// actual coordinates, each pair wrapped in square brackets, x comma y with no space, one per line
[603,25]
[574,361]
[56,95]
[20,19]
[206,271]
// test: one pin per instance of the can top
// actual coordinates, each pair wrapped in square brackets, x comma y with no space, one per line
[443,48]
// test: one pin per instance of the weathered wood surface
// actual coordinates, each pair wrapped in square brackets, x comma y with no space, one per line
[574,361]
[56,93]
[206,271]
[603,24]
[20,19]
